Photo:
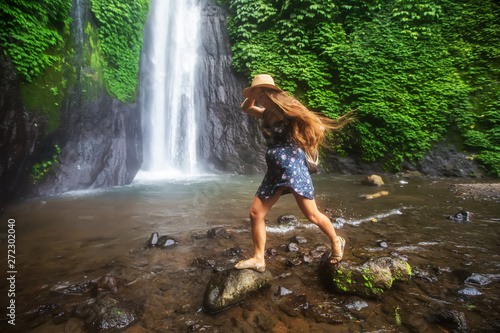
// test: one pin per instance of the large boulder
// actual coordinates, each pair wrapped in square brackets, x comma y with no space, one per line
[232,286]
[366,279]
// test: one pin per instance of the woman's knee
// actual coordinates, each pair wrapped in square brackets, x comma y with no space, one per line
[255,214]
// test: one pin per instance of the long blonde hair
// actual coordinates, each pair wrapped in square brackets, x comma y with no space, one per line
[308,128]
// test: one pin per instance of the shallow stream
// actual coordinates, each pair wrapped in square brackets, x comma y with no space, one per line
[81,236]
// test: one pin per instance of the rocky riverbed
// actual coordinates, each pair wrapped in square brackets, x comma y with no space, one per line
[89,265]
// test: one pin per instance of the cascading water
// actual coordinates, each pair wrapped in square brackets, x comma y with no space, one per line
[169,95]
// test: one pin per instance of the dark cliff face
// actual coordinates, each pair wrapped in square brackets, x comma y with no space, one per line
[101,145]
[20,135]
[99,137]
[230,140]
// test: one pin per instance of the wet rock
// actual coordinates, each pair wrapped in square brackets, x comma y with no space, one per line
[104,313]
[355,304]
[451,319]
[299,239]
[318,252]
[482,279]
[293,262]
[292,304]
[470,291]
[373,180]
[286,219]
[307,258]
[462,216]
[365,279]
[108,283]
[293,247]
[75,289]
[230,287]
[383,244]
[425,275]
[410,174]
[216,232]
[375,195]
[202,262]
[270,253]
[282,291]
[153,240]
[232,252]
[166,241]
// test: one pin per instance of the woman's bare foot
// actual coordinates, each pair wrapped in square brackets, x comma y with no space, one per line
[252,263]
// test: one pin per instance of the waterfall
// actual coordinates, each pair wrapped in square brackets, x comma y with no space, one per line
[170,101]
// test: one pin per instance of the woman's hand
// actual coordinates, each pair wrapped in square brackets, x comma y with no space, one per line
[248,106]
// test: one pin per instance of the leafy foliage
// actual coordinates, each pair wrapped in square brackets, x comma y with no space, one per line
[41,170]
[30,31]
[421,70]
[120,29]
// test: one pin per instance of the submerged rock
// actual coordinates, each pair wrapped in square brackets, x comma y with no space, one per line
[163,241]
[216,232]
[482,279]
[232,252]
[166,241]
[462,216]
[470,291]
[104,313]
[452,319]
[285,219]
[232,286]
[365,279]
[153,240]
[375,195]
[202,262]
[373,180]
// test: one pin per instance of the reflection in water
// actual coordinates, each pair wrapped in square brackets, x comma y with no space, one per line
[80,236]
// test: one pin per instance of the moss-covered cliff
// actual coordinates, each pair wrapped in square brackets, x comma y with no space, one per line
[72,63]
[422,72]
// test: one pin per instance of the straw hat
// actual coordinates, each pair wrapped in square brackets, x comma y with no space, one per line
[260,81]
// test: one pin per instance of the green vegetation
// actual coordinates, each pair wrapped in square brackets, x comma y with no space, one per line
[35,36]
[120,29]
[421,71]
[40,170]
[32,35]
[31,32]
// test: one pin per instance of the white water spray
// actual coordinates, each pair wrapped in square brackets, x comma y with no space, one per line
[169,99]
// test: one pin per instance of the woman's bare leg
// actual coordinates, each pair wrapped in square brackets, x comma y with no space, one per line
[258,212]
[311,212]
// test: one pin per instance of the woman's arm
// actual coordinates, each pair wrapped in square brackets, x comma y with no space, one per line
[251,109]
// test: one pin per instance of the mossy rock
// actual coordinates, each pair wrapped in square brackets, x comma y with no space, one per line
[368,279]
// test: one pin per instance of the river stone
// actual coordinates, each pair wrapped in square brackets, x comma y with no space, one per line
[216,232]
[285,219]
[104,313]
[461,216]
[166,241]
[232,286]
[373,180]
[367,279]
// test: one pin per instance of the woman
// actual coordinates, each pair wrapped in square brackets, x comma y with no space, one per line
[291,131]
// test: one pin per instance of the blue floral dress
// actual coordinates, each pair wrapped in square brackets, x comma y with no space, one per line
[286,163]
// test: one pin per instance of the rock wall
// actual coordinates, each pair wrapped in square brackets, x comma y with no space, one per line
[230,140]
[20,134]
